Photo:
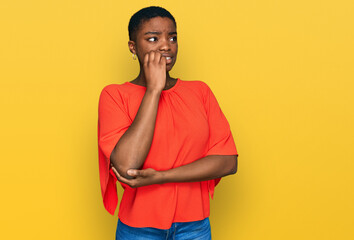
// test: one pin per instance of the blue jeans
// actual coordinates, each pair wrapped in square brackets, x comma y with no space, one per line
[197,230]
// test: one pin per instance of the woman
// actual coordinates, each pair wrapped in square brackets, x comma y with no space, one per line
[164,139]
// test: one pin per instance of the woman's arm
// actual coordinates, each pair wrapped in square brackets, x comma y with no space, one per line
[133,147]
[209,167]
[206,168]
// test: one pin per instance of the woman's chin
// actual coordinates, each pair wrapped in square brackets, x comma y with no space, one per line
[169,67]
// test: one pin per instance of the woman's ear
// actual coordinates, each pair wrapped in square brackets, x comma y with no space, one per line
[131,45]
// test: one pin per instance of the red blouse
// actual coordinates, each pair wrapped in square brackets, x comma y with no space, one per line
[189,125]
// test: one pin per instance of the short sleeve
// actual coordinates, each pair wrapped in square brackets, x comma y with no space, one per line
[113,121]
[221,141]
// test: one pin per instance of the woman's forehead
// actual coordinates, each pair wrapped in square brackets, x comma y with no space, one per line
[157,24]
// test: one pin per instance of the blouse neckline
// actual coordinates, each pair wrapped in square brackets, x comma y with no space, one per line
[164,91]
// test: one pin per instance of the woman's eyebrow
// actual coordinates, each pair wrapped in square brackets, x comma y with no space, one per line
[158,33]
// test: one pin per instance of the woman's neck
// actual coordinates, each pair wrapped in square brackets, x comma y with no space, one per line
[141,80]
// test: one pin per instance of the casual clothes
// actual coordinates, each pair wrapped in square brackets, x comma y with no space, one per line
[189,125]
[196,230]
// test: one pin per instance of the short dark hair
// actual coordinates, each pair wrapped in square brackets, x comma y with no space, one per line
[145,14]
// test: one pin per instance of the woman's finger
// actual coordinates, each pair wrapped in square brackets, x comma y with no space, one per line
[129,182]
[151,56]
[133,172]
[115,172]
[146,59]
[158,57]
[119,177]
[163,60]
[126,181]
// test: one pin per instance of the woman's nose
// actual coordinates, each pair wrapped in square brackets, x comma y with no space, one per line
[165,45]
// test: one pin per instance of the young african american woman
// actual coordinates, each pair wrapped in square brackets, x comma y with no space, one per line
[164,139]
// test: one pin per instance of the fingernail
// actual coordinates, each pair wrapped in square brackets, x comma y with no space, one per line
[130,172]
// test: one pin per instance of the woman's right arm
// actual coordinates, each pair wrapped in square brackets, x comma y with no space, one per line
[134,145]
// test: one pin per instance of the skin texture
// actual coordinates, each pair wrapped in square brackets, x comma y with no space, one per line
[155,39]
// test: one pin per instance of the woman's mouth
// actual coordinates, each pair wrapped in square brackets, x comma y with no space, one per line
[168,60]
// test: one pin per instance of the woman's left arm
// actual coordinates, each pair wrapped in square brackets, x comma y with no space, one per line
[206,168]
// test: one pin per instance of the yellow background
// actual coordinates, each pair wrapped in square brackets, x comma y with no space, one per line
[282,72]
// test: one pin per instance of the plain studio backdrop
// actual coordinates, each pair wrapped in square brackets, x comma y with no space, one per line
[282,72]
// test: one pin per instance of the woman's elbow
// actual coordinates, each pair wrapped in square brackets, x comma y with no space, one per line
[122,170]
[121,167]
[233,165]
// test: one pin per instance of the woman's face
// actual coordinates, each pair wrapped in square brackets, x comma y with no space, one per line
[157,34]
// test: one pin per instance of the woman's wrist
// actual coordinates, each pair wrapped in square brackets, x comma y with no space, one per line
[163,176]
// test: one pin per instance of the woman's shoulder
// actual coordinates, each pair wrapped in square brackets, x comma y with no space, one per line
[194,82]
[116,92]
[120,89]
[112,87]
[197,85]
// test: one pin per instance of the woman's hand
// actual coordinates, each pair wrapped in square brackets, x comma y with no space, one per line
[155,70]
[141,178]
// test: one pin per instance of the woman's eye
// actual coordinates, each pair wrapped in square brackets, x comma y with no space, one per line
[152,39]
[174,39]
